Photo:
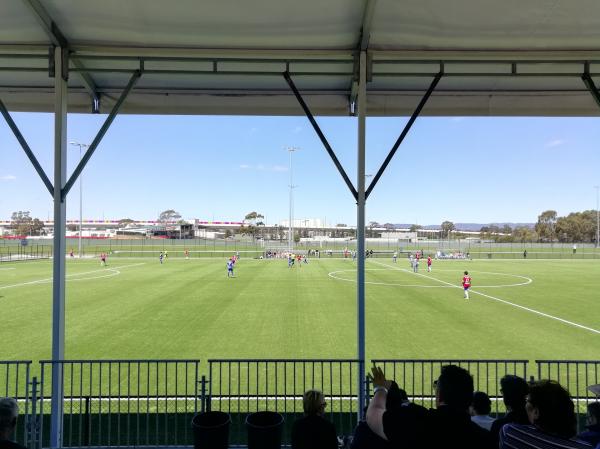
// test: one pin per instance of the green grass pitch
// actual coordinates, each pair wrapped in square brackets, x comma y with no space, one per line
[137,308]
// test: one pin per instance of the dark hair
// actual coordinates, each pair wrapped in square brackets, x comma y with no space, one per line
[455,387]
[556,409]
[396,397]
[466,272]
[481,403]
[514,391]
[593,409]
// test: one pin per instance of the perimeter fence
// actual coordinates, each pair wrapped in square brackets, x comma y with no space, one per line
[118,403]
[11,250]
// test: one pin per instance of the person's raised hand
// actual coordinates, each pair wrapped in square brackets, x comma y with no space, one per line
[378,378]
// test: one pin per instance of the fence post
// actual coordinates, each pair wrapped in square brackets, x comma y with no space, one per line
[32,423]
[87,423]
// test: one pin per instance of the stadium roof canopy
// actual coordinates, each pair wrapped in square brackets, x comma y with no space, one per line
[509,57]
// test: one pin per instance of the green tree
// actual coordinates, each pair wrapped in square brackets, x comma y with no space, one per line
[169,216]
[124,222]
[447,227]
[546,224]
[415,227]
[23,224]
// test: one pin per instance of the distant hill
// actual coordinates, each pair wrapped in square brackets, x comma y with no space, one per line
[469,226]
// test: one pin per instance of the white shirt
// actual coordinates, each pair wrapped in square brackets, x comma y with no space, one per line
[483,421]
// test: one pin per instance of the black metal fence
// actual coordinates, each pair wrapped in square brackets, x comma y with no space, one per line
[123,402]
[416,377]
[240,387]
[14,383]
[576,376]
[152,402]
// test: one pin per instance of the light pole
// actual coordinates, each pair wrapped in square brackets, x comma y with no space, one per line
[80,145]
[291,150]
[597,216]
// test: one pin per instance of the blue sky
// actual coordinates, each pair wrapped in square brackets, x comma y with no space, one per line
[459,169]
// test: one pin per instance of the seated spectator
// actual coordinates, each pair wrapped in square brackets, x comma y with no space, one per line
[592,434]
[313,431]
[447,426]
[364,437]
[514,391]
[552,420]
[480,409]
[9,410]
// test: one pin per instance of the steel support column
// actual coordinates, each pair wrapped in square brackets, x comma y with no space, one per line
[59,250]
[103,129]
[360,231]
[322,137]
[404,132]
[15,129]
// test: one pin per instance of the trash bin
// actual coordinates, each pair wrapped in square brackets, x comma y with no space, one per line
[211,430]
[264,430]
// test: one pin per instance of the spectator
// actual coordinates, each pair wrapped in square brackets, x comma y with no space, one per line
[592,434]
[9,411]
[514,391]
[447,426]
[552,420]
[313,431]
[364,437]
[480,409]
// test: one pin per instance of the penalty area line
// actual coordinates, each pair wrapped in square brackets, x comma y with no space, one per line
[528,309]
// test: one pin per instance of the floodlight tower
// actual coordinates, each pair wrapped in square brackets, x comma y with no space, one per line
[597,216]
[291,150]
[80,145]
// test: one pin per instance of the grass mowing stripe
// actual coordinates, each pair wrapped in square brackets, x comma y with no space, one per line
[581,326]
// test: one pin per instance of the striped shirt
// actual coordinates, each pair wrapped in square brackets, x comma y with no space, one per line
[519,436]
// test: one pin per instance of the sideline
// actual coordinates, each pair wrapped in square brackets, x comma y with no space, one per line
[537,312]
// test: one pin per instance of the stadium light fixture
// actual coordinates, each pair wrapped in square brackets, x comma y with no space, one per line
[80,145]
[291,150]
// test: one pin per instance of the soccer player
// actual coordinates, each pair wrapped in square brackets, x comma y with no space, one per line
[429,264]
[187,254]
[160,257]
[394,256]
[103,259]
[466,283]
[416,265]
[166,255]
[411,261]
[230,267]
[290,260]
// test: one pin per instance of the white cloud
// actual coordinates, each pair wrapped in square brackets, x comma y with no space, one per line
[279,168]
[245,166]
[8,178]
[457,119]
[554,143]
[253,130]
[297,129]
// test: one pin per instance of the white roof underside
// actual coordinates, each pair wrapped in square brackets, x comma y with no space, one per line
[509,57]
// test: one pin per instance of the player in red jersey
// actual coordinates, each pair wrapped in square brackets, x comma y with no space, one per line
[466,283]
[429,264]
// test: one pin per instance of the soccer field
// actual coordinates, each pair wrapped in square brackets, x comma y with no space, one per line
[137,308]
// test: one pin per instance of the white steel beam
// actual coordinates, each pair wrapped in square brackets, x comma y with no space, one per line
[59,250]
[360,231]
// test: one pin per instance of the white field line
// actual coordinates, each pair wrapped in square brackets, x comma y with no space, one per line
[7,268]
[528,309]
[43,281]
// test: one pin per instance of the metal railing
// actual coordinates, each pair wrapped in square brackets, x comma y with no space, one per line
[575,376]
[416,377]
[240,387]
[123,402]
[152,402]
[14,383]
